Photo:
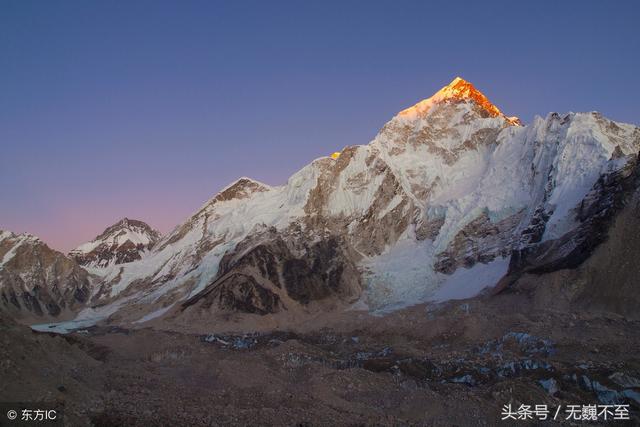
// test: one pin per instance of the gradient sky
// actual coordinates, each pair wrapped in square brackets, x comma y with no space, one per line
[146,109]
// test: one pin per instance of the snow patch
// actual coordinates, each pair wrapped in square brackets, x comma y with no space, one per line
[154,314]
[86,318]
[469,282]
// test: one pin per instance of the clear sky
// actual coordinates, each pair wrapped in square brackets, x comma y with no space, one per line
[145,109]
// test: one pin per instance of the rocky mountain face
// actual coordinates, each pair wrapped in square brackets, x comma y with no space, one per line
[595,214]
[37,281]
[594,268]
[450,196]
[125,241]
[268,272]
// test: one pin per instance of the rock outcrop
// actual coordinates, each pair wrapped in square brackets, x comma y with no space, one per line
[270,271]
[38,282]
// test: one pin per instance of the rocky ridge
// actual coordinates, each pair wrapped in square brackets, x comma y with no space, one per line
[125,241]
[37,281]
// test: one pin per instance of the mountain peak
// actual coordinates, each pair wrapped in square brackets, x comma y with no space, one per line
[122,242]
[6,234]
[126,224]
[459,90]
[240,189]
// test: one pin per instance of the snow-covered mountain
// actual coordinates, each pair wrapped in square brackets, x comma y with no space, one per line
[431,209]
[37,281]
[449,197]
[125,241]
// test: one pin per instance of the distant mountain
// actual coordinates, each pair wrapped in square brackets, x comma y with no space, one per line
[449,198]
[37,281]
[125,241]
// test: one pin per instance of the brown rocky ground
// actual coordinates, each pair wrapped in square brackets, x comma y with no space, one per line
[453,364]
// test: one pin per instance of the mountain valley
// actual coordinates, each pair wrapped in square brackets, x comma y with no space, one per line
[461,261]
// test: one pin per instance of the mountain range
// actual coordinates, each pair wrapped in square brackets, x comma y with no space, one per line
[452,198]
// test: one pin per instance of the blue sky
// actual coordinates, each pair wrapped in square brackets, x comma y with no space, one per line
[145,109]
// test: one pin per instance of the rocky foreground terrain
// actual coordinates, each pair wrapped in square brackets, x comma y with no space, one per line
[453,364]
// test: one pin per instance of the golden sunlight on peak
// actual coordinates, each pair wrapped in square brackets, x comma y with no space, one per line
[458,90]
[458,80]
[335,155]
